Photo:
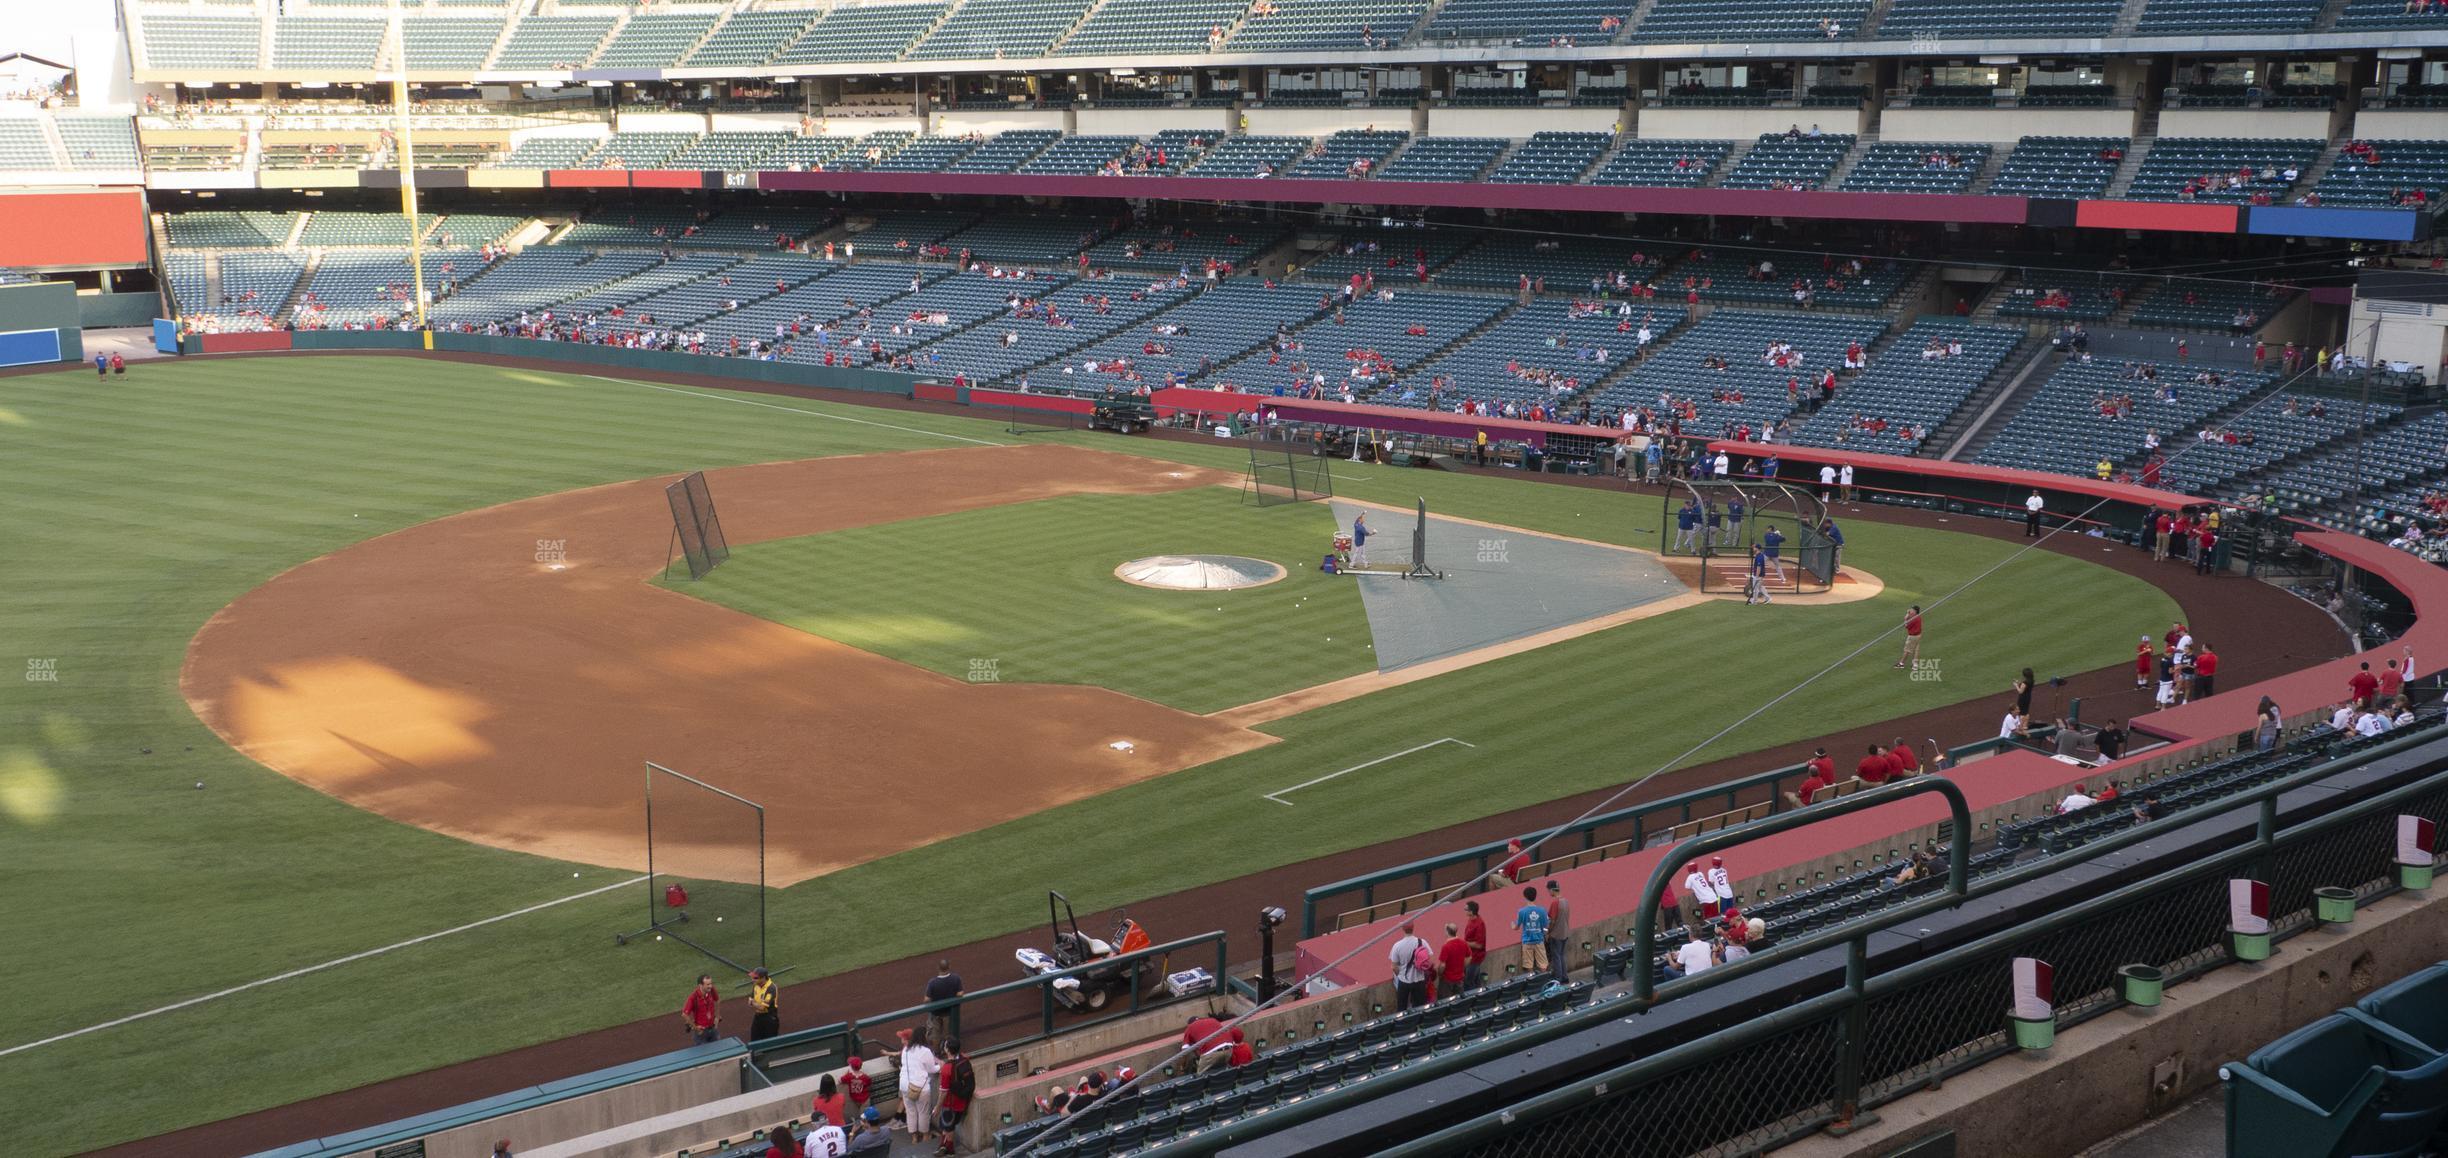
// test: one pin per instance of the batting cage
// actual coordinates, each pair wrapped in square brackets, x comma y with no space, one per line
[696,529]
[705,869]
[1282,476]
[1721,521]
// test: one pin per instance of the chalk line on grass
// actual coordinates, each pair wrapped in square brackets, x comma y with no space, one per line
[1278,795]
[333,963]
[797,410]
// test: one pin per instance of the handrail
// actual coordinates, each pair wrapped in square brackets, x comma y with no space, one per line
[760,1052]
[1851,1000]
[1959,869]
[1640,816]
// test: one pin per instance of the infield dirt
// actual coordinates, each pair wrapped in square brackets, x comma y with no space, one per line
[500,675]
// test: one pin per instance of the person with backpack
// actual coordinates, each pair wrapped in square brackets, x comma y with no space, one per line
[1412,960]
[959,1081]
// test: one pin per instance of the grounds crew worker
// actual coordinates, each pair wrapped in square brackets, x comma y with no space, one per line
[765,1001]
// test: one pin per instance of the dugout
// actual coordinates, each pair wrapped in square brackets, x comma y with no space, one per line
[40,324]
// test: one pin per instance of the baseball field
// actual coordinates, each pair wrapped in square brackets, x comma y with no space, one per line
[342,658]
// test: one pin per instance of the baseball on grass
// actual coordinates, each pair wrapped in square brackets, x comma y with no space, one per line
[199,784]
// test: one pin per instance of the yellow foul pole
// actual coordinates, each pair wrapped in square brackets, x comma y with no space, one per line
[405,158]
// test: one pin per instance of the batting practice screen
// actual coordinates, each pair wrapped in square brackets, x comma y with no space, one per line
[1277,477]
[695,525]
[705,868]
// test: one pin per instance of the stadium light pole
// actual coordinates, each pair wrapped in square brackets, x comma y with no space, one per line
[405,157]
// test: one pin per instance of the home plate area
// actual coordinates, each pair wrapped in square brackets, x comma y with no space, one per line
[1499,584]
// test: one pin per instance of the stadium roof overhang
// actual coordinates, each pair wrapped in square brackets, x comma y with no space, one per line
[1426,53]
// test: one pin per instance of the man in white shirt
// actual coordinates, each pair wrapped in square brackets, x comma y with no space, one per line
[2371,724]
[1844,478]
[1827,483]
[1719,881]
[1694,956]
[1410,982]
[2075,800]
[2343,718]
[2008,727]
[2031,515]
[826,1140]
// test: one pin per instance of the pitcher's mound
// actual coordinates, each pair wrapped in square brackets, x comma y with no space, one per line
[1199,572]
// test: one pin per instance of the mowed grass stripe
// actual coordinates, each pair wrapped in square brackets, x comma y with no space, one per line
[114,858]
[1025,593]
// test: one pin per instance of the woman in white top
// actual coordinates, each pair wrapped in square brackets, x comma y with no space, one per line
[919,1091]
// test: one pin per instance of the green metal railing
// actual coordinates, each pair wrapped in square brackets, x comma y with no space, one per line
[1878,1038]
[812,1051]
[1639,824]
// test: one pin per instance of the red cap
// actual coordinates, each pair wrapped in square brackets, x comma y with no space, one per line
[858,1063]
[1693,867]
[1717,860]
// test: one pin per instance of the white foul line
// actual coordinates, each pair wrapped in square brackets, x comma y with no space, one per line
[335,962]
[1278,795]
[796,410]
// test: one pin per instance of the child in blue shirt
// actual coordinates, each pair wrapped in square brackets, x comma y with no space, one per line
[1532,921]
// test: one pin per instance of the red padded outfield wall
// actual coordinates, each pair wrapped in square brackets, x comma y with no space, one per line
[83,230]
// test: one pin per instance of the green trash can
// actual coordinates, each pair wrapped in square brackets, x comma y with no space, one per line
[2141,985]
[2414,876]
[2034,1034]
[2250,946]
[2334,905]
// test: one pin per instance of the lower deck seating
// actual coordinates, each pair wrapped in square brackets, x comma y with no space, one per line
[2062,429]
[1182,343]
[1749,390]
[1001,351]
[1911,387]
[1362,347]
[1545,354]
[1187,1104]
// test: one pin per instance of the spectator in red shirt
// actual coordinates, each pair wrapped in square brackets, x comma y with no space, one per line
[2205,668]
[1201,1028]
[1516,862]
[2362,685]
[1901,759]
[2392,679]
[1474,935]
[1816,782]
[1823,764]
[856,1087]
[1873,768]
[701,1014]
[1453,963]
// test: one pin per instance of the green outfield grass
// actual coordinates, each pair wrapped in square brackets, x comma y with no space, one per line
[140,507]
[1030,588]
